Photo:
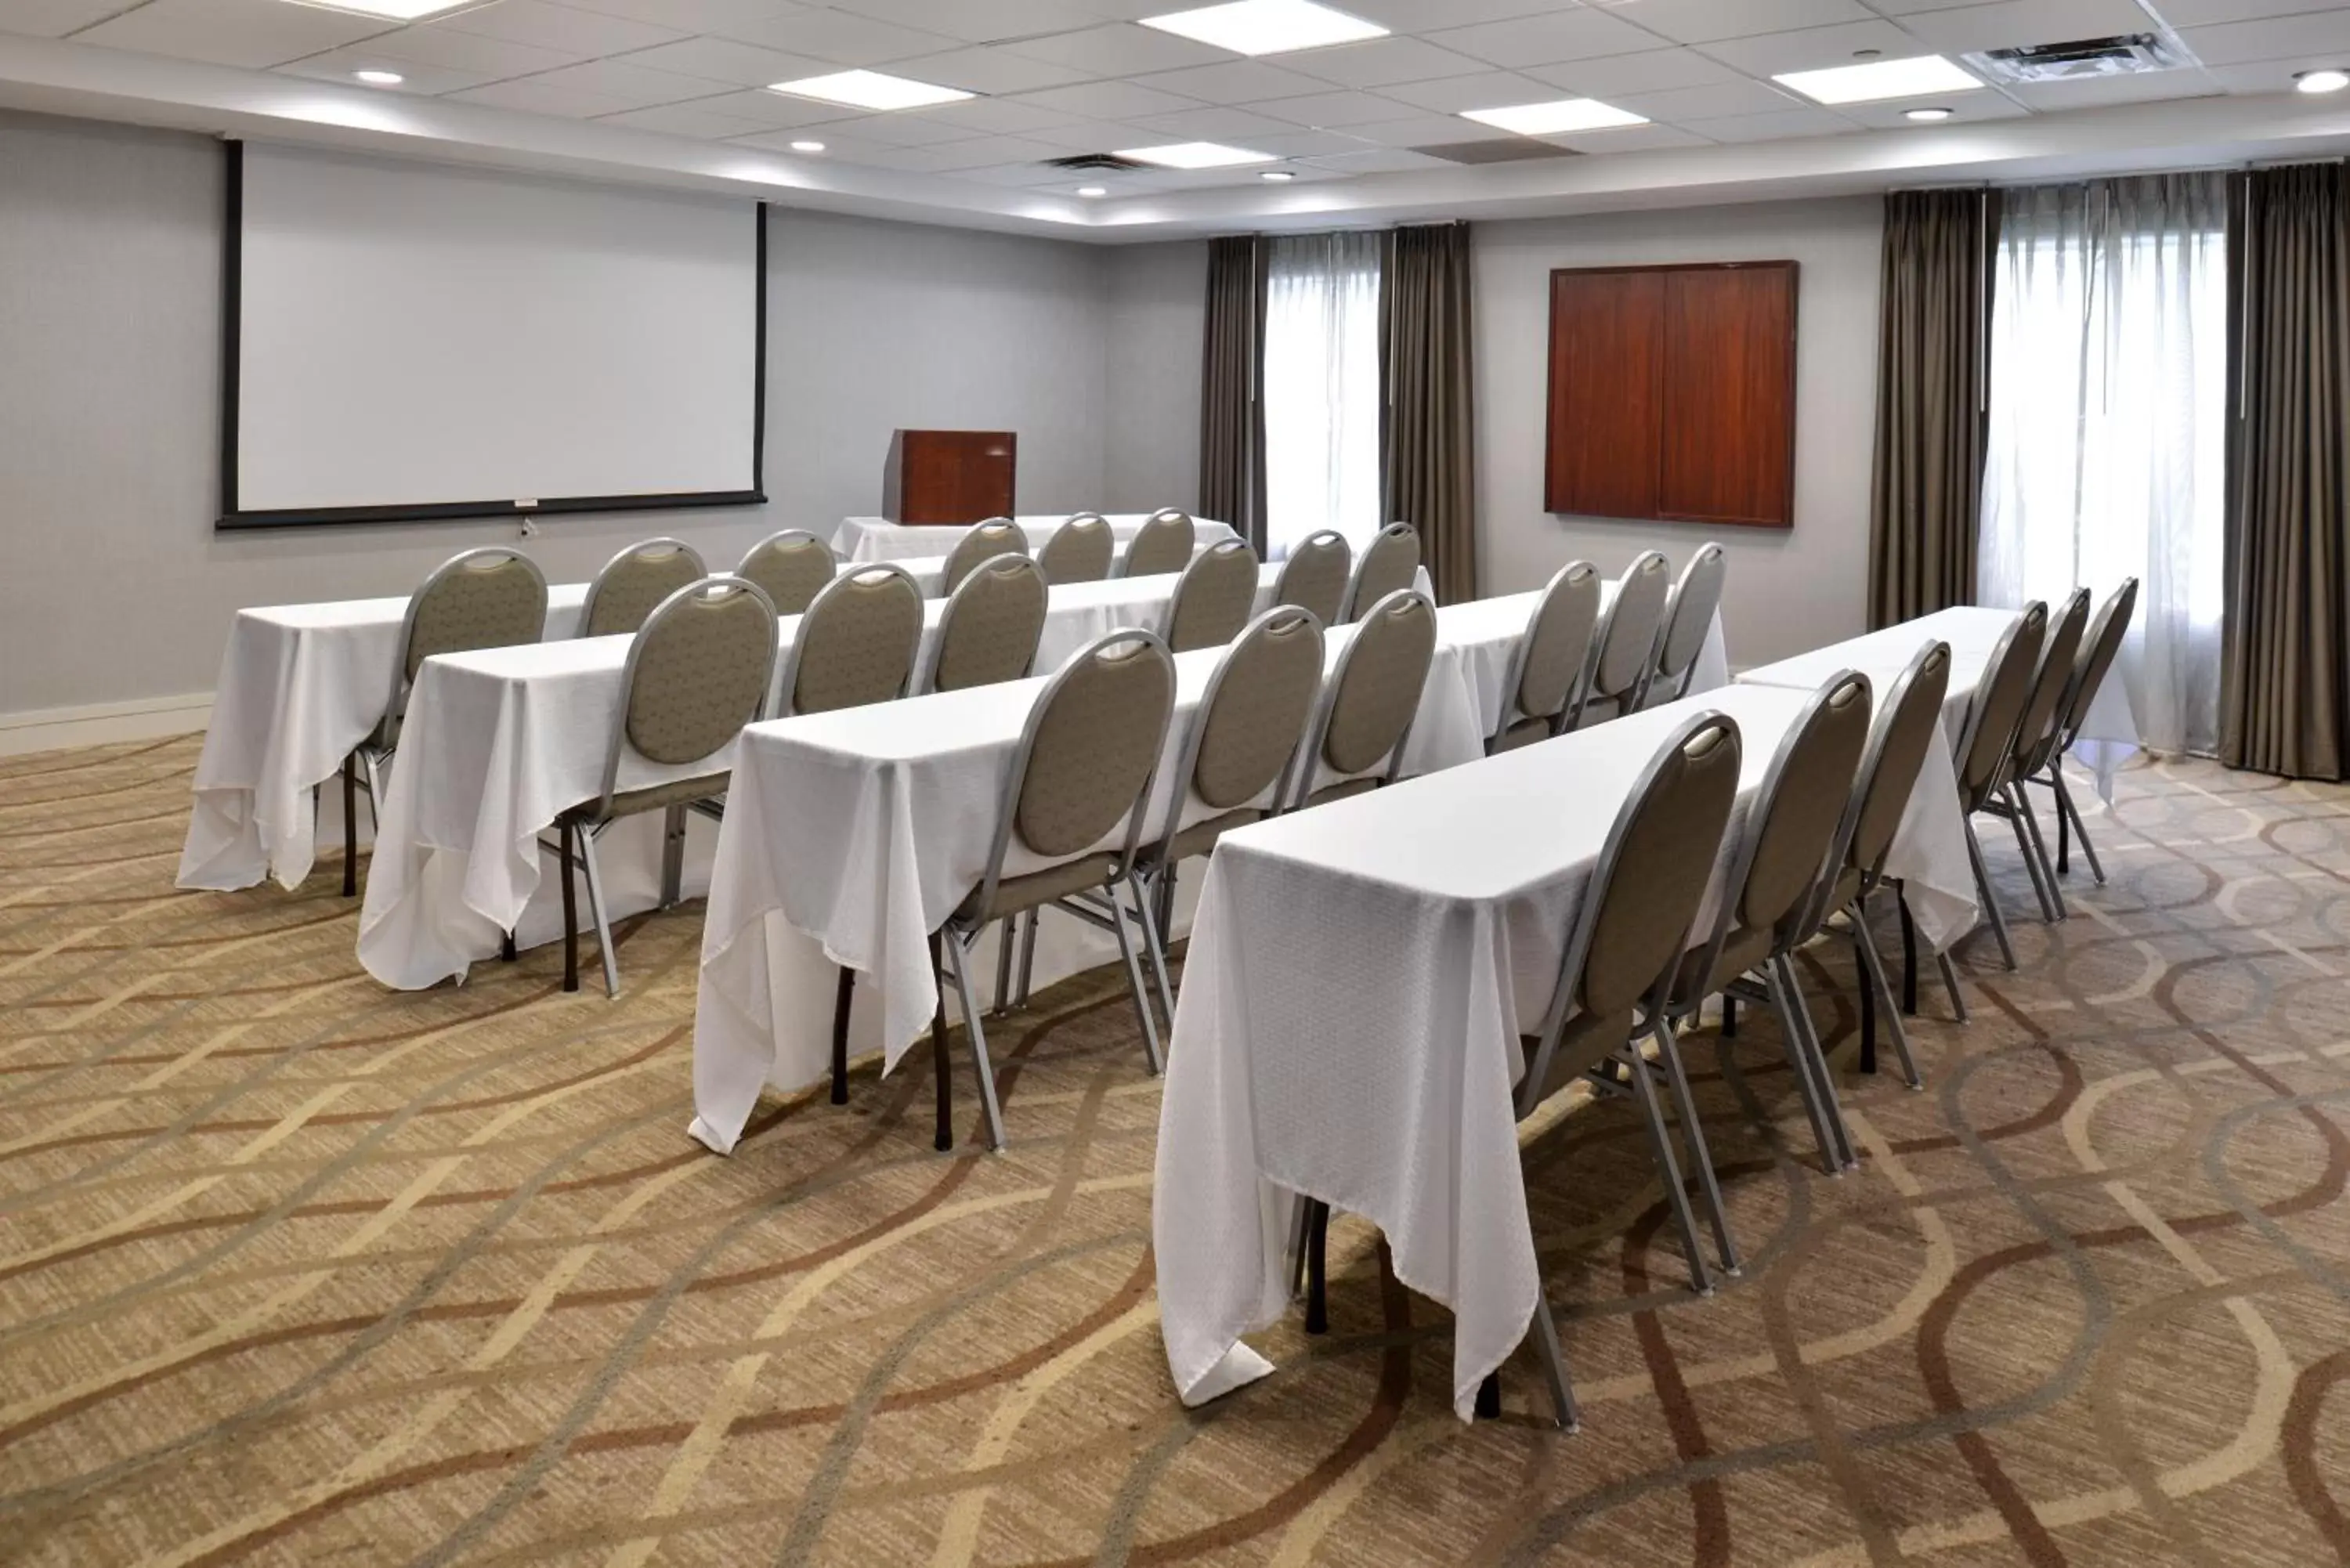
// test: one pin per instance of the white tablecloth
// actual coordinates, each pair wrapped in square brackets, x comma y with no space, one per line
[878,539]
[849,837]
[300,685]
[1490,630]
[1357,983]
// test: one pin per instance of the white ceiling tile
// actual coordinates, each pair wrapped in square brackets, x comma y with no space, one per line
[1378,160]
[1629,138]
[1381,62]
[1487,89]
[493,59]
[979,21]
[989,70]
[536,95]
[845,40]
[2018,24]
[2203,12]
[687,119]
[1018,175]
[1966,108]
[1816,49]
[552,27]
[56,18]
[902,129]
[742,19]
[836,142]
[1700,21]
[724,60]
[1291,143]
[1779,126]
[633,86]
[1720,102]
[1657,70]
[336,65]
[252,33]
[1577,34]
[1108,100]
[1427,16]
[774,108]
[1084,136]
[1119,50]
[992,151]
[1329,110]
[1234,127]
[993,116]
[1422,130]
[2325,33]
[1236,82]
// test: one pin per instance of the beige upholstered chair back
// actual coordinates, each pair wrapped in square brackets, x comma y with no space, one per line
[635,580]
[856,643]
[1162,545]
[700,670]
[1905,730]
[1315,576]
[1079,551]
[991,627]
[490,597]
[1628,636]
[1665,844]
[1094,744]
[1257,708]
[1998,705]
[1803,801]
[790,567]
[1695,599]
[1391,563]
[2060,659]
[982,542]
[1376,689]
[2099,647]
[1558,641]
[1214,598]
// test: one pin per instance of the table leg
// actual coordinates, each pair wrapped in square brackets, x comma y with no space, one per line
[943,1139]
[840,1035]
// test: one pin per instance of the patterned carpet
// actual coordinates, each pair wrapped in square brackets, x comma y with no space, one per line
[295,1270]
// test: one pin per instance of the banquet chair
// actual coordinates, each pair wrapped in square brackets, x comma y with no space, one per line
[1236,761]
[697,673]
[1547,667]
[1689,618]
[1631,927]
[489,598]
[1365,720]
[1162,545]
[1084,764]
[1992,714]
[1212,598]
[1315,576]
[2034,731]
[989,628]
[1768,898]
[790,567]
[980,542]
[1079,551]
[856,643]
[1390,562]
[632,582]
[1627,640]
[2045,767]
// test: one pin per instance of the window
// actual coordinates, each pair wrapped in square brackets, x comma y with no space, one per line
[2108,425]
[1322,388]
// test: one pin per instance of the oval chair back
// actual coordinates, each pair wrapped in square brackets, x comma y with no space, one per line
[790,567]
[1316,574]
[1373,697]
[698,671]
[1213,597]
[1390,562]
[1251,722]
[1549,667]
[1904,733]
[1079,551]
[980,542]
[991,627]
[2060,667]
[489,598]
[632,582]
[1628,634]
[2101,645]
[858,642]
[1688,619]
[1998,706]
[1162,545]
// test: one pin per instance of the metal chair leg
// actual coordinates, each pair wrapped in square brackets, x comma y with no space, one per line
[350,827]
[673,884]
[1867,996]
[1136,983]
[1027,955]
[570,912]
[1990,900]
[597,908]
[1909,952]
[1874,984]
[1822,1072]
[2064,824]
[1799,1061]
[1661,1144]
[1950,983]
[943,1139]
[1007,929]
[1154,951]
[2067,808]
[1554,1360]
[1317,1279]
[1668,1052]
[980,1063]
[2035,855]
[840,1000]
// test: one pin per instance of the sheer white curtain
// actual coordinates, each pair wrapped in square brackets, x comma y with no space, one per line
[1321,387]
[2108,425]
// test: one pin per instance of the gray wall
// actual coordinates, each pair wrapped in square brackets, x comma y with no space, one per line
[1789,591]
[1157,314]
[110,310]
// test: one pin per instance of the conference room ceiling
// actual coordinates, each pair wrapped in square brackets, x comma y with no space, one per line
[1053,78]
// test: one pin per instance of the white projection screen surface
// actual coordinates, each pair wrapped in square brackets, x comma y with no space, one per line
[419,340]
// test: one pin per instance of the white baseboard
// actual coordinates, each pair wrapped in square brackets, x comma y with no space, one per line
[103,723]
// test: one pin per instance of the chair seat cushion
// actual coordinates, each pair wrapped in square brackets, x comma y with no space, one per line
[1588,1039]
[1342,791]
[1524,733]
[1742,949]
[1015,894]
[1200,836]
[653,797]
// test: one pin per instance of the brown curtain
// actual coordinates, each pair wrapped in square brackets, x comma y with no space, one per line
[2286,691]
[1428,428]
[1231,425]
[1932,387]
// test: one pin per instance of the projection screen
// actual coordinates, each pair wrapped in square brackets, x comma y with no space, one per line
[413,340]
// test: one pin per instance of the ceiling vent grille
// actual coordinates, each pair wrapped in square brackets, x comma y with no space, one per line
[1094,162]
[2129,53]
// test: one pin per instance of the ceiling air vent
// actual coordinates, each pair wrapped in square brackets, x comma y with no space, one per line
[1094,163]
[2130,54]
[1511,150]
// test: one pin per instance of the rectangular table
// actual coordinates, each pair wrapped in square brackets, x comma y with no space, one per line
[1349,1029]
[879,539]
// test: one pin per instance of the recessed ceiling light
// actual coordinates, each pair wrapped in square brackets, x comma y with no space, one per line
[1093,189]
[808,146]
[1278,174]
[870,89]
[2324,79]
[1195,155]
[380,78]
[1266,27]
[1911,77]
[398,10]
[1549,118]
[1935,112]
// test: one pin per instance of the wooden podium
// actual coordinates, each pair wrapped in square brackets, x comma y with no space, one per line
[948,476]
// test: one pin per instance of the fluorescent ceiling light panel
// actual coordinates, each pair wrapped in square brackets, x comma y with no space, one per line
[1195,155]
[870,90]
[396,10]
[1267,27]
[1879,79]
[1550,118]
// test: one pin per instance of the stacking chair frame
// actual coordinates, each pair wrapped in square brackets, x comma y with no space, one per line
[981,579]
[2031,621]
[2100,647]
[1194,591]
[781,539]
[1326,711]
[2043,710]
[787,689]
[1311,554]
[1383,544]
[980,543]
[1576,578]
[1603,640]
[1688,614]
[1087,532]
[1164,523]
[600,585]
